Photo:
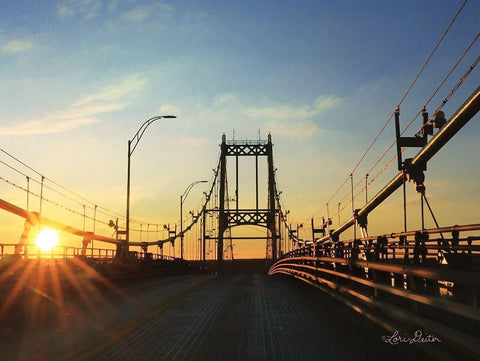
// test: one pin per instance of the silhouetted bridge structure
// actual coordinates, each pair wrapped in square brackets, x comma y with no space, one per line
[418,289]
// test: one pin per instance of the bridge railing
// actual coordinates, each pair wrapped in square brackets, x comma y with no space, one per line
[246,142]
[403,245]
[402,281]
[32,251]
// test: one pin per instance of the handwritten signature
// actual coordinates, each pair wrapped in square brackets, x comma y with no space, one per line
[418,337]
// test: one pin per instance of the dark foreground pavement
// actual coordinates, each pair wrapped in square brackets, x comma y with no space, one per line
[195,317]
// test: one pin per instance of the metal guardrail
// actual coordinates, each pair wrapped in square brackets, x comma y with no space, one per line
[401,278]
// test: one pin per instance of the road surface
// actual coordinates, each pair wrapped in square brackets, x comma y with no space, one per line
[191,317]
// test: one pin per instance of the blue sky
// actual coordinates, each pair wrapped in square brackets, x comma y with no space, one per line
[80,76]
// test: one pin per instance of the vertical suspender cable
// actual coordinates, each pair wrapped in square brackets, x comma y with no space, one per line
[366,188]
[353,209]
[404,203]
[28,191]
[41,195]
[421,210]
[338,212]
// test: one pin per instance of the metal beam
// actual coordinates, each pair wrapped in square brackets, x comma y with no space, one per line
[34,218]
[9,207]
[222,215]
[466,112]
[271,194]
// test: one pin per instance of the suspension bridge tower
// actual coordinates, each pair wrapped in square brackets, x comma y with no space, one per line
[229,217]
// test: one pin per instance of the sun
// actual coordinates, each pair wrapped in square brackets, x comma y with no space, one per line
[46,239]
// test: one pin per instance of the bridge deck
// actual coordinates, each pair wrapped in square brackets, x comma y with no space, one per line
[241,317]
[227,317]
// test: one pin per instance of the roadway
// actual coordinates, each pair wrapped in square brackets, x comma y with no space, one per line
[191,317]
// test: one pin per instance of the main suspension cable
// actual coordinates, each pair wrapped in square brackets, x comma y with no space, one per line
[401,101]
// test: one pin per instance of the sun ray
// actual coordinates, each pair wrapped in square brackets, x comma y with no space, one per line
[79,288]
[18,287]
[11,270]
[39,281]
[57,290]
[99,278]
[43,294]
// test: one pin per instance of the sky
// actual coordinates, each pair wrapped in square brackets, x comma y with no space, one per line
[79,77]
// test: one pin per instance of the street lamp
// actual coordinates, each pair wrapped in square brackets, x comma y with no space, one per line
[135,139]
[182,199]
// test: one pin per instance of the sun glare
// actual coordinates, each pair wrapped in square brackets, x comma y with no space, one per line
[46,239]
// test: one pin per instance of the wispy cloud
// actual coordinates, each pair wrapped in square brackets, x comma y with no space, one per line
[373,86]
[223,98]
[292,130]
[88,110]
[285,111]
[44,126]
[127,88]
[113,5]
[143,12]
[84,111]
[286,120]
[87,8]
[105,48]
[324,102]
[17,46]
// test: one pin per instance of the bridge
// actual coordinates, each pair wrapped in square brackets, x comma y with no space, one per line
[307,299]
[122,288]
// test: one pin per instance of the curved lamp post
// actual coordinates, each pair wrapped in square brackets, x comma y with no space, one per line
[182,199]
[132,144]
